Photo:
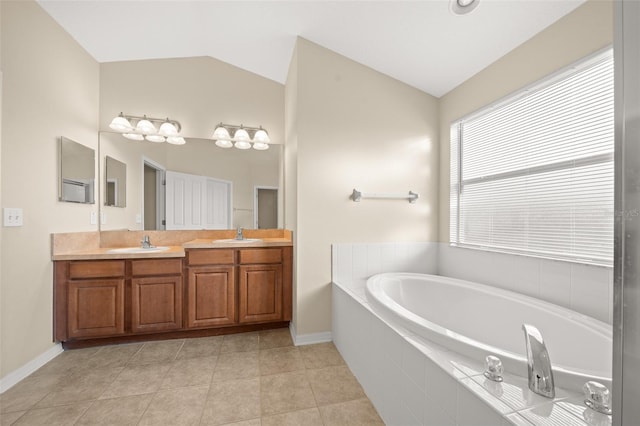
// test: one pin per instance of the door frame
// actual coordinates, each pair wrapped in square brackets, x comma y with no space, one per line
[256,189]
[160,193]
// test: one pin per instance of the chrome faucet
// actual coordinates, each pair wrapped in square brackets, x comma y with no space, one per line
[239,234]
[538,363]
[146,242]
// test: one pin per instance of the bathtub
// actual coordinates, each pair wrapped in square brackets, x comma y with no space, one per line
[476,320]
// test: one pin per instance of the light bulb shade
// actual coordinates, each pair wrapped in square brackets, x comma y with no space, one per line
[241,135]
[133,136]
[121,124]
[146,127]
[224,143]
[221,133]
[168,129]
[242,144]
[260,146]
[155,138]
[261,136]
[176,140]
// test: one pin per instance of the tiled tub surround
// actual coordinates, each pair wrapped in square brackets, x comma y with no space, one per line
[411,380]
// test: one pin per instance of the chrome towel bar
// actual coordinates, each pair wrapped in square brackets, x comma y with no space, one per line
[359,195]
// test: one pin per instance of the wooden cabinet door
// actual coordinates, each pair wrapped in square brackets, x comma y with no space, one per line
[156,303]
[211,295]
[260,293]
[95,307]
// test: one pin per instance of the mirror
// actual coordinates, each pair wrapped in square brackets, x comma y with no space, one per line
[197,185]
[77,171]
[115,184]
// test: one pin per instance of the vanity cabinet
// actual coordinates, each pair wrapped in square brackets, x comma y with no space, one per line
[156,295]
[94,298]
[210,291]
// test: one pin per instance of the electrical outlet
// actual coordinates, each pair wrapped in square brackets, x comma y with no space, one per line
[93,219]
[138,218]
[12,216]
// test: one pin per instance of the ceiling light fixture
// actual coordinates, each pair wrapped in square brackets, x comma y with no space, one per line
[156,130]
[462,7]
[243,137]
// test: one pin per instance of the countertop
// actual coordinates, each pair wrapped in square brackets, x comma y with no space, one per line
[103,253]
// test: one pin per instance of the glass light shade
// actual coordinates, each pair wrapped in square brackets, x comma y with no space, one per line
[121,124]
[176,140]
[261,146]
[155,138]
[224,143]
[133,136]
[261,136]
[168,129]
[241,135]
[221,133]
[145,126]
[242,144]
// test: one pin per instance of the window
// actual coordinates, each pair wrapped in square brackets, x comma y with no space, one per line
[533,174]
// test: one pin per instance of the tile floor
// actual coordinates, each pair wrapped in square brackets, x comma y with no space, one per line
[243,379]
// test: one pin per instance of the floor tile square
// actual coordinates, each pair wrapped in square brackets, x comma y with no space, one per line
[280,360]
[232,401]
[359,412]
[137,380]
[308,417]
[275,338]
[7,419]
[238,365]
[124,411]
[285,392]
[321,355]
[200,347]
[67,361]
[82,386]
[242,342]
[176,407]
[334,384]
[53,416]
[190,372]
[111,356]
[29,392]
[154,352]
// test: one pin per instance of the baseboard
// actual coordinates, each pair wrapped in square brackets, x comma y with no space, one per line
[309,339]
[11,379]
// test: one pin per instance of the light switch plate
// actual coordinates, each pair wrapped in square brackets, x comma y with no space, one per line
[93,220]
[138,218]
[12,216]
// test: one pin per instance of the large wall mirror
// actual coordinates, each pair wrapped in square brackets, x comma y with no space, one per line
[77,171]
[197,185]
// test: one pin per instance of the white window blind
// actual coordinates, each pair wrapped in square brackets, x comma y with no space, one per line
[534,173]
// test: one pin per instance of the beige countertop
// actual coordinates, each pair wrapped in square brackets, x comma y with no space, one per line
[105,253]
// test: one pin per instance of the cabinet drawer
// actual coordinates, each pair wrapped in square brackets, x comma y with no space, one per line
[156,267]
[260,256]
[210,257]
[97,269]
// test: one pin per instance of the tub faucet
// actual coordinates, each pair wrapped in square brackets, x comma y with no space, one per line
[538,363]
[146,242]
[239,234]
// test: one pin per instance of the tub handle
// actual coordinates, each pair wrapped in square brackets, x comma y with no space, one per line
[493,368]
[596,397]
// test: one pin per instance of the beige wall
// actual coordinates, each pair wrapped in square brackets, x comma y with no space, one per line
[580,33]
[356,128]
[50,89]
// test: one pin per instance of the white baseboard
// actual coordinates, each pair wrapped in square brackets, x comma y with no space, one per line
[11,379]
[309,339]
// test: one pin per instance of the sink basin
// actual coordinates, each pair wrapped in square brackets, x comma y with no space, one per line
[233,240]
[138,250]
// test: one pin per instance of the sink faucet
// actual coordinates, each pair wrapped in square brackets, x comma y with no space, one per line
[146,242]
[239,234]
[538,363]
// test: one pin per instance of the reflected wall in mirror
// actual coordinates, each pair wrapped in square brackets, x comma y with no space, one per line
[115,184]
[193,186]
[77,172]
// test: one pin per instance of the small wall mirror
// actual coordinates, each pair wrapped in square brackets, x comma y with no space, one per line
[77,171]
[115,183]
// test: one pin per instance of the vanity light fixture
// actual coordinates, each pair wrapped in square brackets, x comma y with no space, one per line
[152,129]
[243,137]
